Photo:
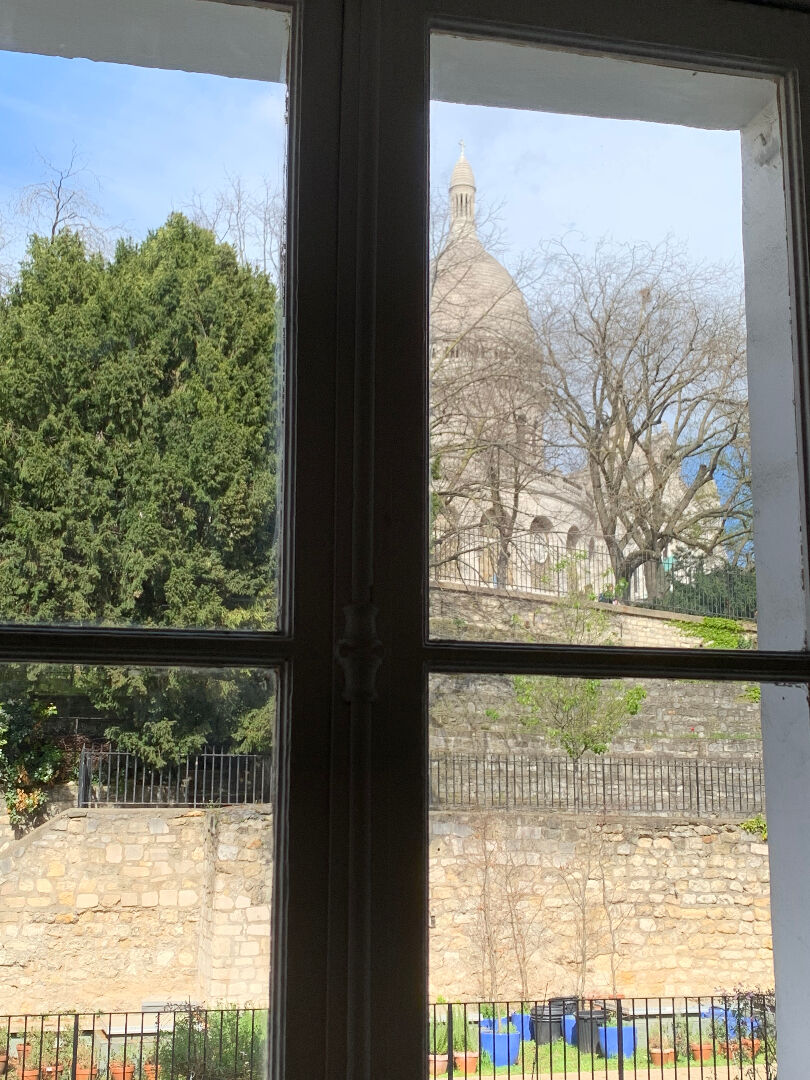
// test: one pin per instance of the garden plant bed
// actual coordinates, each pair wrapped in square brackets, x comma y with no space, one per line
[560,1061]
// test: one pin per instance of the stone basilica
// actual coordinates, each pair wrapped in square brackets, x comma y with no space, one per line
[503,515]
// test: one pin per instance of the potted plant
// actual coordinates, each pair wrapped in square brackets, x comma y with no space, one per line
[700,1041]
[437,1049]
[4,1036]
[661,1053]
[750,1045]
[86,1067]
[502,1044]
[465,1042]
[121,1066]
[46,1054]
[25,1053]
[31,1054]
[149,1064]
[720,1035]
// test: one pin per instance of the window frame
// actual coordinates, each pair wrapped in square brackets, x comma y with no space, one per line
[715,35]
[350,881]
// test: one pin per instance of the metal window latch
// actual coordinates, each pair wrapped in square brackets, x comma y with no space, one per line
[360,653]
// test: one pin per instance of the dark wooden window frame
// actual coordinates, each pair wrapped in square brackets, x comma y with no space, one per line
[350,912]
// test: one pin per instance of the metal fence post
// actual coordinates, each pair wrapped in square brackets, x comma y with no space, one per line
[82,798]
[450,1061]
[75,1046]
[619,1036]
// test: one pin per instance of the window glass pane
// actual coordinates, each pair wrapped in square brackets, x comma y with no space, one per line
[136,849]
[597,846]
[142,208]
[592,345]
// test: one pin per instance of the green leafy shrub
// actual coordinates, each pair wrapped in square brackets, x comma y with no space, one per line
[577,714]
[756,825]
[437,1038]
[221,1044]
[30,762]
[465,1035]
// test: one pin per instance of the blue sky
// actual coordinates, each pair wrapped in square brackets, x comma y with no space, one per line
[151,139]
[556,175]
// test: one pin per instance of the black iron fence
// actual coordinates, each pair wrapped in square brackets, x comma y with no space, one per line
[210,778]
[172,1044]
[705,1038]
[624,784]
[563,1038]
[550,564]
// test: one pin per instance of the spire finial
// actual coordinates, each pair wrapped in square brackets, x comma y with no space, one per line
[462,193]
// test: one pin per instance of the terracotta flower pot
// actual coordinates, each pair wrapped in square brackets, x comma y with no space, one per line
[751,1046]
[122,1072]
[662,1055]
[437,1064]
[150,1070]
[28,1074]
[3,1064]
[24,1050]
[701,1051]
[466,1063]
[86,1072]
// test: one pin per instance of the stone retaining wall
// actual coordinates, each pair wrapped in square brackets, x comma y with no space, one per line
[637,907]
[489,614]
[474,714]
[110,908]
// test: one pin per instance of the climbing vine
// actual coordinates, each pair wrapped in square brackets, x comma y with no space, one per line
[716,632]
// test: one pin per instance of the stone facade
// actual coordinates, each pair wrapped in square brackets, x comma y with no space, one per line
[637,907]
[111,908]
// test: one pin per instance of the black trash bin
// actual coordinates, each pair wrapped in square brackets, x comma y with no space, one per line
[546,1025]
[588,1023]
[565,1006]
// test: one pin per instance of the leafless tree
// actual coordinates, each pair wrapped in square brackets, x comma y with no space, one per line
[598,909]
[642,358]
[61,200]
[507,915]
[251,220]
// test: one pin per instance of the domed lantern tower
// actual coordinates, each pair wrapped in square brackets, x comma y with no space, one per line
[486,395]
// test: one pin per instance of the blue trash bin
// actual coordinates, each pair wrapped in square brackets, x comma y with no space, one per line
[733,1023]
[569,1025]
[609,1039]
[523,1022]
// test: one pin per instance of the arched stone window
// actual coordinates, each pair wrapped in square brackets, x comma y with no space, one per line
[540,532]
[539,550]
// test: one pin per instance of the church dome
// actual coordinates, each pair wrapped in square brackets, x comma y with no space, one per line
[475,303]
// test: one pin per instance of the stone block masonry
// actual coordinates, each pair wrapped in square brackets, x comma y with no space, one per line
[555,904]
[492,614]
[472,714]
[111,908]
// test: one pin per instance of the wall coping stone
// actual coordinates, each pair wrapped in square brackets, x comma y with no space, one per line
[617,609]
